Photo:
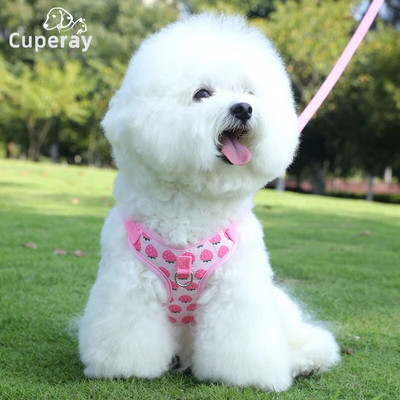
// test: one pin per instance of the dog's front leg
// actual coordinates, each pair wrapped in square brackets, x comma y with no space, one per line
[239,338]
[124,330]
[313,348]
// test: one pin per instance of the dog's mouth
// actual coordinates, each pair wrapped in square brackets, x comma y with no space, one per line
[231,148]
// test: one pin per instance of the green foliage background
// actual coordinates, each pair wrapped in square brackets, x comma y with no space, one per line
[51,101]
[58,96]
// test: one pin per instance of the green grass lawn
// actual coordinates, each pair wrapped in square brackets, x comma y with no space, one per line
[340,257]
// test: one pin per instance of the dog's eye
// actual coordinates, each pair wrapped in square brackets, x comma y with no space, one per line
[201,94]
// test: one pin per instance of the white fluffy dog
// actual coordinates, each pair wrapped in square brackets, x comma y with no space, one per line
[203,119]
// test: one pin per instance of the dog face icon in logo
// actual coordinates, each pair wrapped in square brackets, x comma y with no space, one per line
[61,19]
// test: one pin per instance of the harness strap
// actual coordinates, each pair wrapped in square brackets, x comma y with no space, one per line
[184,271]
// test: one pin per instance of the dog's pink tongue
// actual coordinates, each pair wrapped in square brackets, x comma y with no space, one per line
[235,152]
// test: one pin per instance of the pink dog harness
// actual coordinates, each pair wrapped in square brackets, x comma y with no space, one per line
[183,271]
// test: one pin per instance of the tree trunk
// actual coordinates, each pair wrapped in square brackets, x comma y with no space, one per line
[370,185]
[388,174]
[55,146]
[91,148]
[30,126]
[280,183]
[36,140]
[318,178]
[54,152]
[41,138]
[298,182]
[10,149]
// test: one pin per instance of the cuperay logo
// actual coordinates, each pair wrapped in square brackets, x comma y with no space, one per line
[60,19]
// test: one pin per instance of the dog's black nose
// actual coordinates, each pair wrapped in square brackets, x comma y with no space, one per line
[242,111]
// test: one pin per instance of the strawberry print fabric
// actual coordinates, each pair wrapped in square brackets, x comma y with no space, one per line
[199,261]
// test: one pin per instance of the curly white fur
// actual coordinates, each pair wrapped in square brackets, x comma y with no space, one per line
[248,332]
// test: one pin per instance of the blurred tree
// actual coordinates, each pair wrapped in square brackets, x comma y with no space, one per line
[40,96]
[117,27]
[360,117]
[393,13]
[250,8]
[356,129]
[389,12]
[311,34]
[373,103]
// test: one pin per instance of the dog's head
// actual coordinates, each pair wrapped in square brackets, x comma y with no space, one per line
[58,18]
[205,101]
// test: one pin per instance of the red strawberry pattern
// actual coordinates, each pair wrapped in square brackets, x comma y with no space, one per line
[192,286]
[151,251]
[174,308]
[174,285]
[199,273]
[206,256]
[185,299]
[188,319]
[169,256]
[216,239]
[191,307]
[222,251]
[146,237]
[162,260]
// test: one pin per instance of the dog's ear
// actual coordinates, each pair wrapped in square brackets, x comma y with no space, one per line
[60,24]
[66,18]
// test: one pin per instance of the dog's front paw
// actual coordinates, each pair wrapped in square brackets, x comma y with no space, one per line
[118,369]
[263,377]
[264,365]
[315,351]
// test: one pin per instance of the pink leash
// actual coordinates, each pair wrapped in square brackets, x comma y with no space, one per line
[340,65]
